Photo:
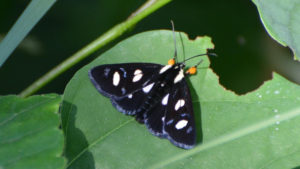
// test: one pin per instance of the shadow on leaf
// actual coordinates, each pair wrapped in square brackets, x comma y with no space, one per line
[76,149]
[197,112]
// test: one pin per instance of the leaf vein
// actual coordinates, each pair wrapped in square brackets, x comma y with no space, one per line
[98,140]
[228,137]
[8,120]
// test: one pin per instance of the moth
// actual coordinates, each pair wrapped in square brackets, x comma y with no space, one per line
[157,95]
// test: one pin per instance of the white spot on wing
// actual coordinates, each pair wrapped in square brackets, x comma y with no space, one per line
[148,88]
[129,96]
[137,71]
[165,100]
[138,74]
[165,68]
[181,124]
[179,77]
[116,78]
[179,104]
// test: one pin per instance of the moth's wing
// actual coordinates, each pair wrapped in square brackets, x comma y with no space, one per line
[155,117]
[124,83]
[179,119]
[130,104]
[117,80]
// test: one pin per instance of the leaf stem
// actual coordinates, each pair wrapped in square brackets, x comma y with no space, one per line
[146,9]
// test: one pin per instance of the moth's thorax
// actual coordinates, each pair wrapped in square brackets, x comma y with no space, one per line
[168,75]
[171,74]
[179,65]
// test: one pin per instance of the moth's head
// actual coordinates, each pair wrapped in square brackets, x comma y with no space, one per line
[172,62]
[190,71]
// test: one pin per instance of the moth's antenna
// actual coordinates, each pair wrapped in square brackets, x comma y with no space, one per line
[199,63]
[175,54]
[183,49]
[208,54]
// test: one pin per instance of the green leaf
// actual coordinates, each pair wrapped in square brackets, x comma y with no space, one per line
[282,21]
[257,130]
[29,18]
[29,133]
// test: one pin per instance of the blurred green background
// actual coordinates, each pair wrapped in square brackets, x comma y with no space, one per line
[247,55]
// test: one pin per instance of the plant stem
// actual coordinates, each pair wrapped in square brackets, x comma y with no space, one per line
[146,9]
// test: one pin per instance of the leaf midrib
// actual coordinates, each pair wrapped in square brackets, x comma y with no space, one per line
[239,101]
[228,137]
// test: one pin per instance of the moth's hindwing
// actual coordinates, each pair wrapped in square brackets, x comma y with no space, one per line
[155,117]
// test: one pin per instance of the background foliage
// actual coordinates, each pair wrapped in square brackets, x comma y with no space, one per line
[235,27]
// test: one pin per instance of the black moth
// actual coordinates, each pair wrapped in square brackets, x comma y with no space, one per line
[157,95]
